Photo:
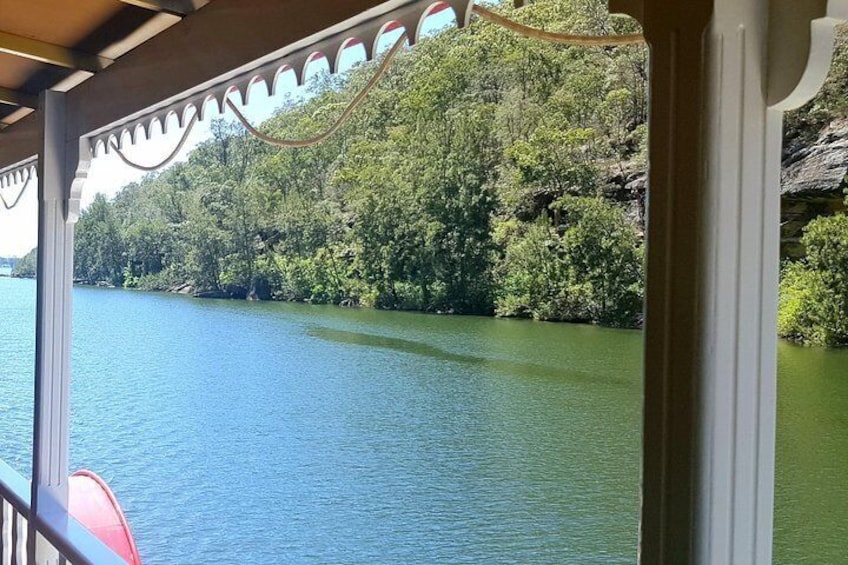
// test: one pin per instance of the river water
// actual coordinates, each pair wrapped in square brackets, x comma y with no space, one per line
[237,432]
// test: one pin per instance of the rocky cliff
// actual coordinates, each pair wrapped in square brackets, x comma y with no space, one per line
[812,183]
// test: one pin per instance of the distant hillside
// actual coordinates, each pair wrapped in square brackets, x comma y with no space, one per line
[486,173]
[814,225]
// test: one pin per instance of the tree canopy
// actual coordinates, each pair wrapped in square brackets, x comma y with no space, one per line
[481,160]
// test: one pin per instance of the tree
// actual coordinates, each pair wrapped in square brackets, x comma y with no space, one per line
[814,291]
[588,269]
[99,250]
[26,266]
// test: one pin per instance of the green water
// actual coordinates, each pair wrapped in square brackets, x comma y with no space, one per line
[281,433]
[811,506]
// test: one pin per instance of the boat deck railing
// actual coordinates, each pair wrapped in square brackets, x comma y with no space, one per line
[61,540]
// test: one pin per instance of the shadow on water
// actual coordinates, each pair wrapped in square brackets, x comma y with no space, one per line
[512,368]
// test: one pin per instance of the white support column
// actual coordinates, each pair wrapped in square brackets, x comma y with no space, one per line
[59,185]
[713,237]
[738,346]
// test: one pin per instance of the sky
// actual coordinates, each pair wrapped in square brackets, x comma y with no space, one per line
[19,226]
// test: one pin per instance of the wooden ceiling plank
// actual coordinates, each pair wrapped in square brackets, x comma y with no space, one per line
[51,54]
[180,8]
[17,98]
[222,37]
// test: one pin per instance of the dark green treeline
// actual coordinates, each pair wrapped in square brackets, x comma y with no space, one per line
[476,178]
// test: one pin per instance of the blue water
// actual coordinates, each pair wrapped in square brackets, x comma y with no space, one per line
[237,432]
[246,433]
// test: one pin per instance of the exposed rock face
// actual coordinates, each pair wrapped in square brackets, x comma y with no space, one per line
[629,187]
[228,291]
[221,294]
[812,183]
[636,187]
[820,168]
[184,288]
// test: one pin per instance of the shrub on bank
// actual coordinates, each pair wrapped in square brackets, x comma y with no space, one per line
[814,291]
[588,268]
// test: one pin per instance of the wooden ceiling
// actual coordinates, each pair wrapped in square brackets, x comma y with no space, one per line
[121,60]
[58,44]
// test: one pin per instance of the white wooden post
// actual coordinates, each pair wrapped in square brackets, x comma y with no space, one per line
[739,280]
[713,236]
[61,170]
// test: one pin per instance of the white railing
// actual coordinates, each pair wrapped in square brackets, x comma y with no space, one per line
[61,540]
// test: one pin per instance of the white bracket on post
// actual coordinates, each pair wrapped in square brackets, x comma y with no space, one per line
[77,167]
[801,41]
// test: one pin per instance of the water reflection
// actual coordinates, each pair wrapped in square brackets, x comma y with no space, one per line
[425,350]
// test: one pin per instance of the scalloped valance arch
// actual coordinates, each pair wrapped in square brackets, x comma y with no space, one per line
[18,173]
[410,18]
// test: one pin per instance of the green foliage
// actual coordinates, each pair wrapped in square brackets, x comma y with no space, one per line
[320,279]
[556,159]
[99,249]
[162,280]
[26,266]
[588,268]
[814,292]
[436,195]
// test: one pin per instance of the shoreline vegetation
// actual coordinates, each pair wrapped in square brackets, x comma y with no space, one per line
[484,174]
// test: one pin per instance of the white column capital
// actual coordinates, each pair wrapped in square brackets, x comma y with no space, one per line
[78,166]
[66,160]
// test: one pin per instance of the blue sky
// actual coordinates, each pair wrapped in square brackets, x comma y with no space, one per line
[18,227]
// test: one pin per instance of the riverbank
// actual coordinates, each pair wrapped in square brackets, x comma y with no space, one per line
[241,293]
